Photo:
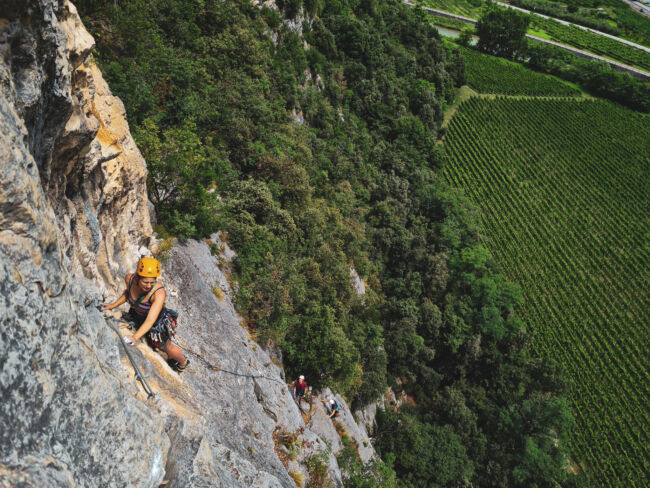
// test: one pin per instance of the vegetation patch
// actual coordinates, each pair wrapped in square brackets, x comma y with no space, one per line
[489,74]
[218,293]
[594,43]
[287,444]
[167,243]
[297,478]
[347,441]
[317,468]
[562,188]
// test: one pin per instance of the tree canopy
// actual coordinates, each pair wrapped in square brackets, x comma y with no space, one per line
[502,32]
[322,149]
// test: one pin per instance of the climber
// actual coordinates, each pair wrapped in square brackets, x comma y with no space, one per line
[152,319]
[299,387]
[332,407]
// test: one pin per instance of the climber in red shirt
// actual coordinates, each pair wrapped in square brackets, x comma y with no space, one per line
[299,387]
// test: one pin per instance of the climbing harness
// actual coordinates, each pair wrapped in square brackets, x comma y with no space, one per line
[138,374]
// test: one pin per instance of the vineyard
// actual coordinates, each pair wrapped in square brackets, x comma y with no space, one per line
[564,191]
[468,8]
[556,31]
[488,74]
[595,43]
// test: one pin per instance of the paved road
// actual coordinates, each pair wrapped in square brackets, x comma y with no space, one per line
[624,41]
[637,73]
[638,7]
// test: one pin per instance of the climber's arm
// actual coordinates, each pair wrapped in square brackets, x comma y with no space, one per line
[121,299]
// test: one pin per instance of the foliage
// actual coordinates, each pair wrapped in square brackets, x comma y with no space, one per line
[433,455]
[502,32]
[611,16]
[465,37]
[595,43]
[316,465]
[596,77]
[180,167]
[559,11]
[488,74]
[562,186]
[373,474]
[290,440]
[210,88]
[297,478]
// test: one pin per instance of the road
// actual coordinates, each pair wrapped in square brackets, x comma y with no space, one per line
[640,8]
[637,73]
[564,22]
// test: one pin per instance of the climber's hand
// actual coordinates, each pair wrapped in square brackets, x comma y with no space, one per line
[128,339]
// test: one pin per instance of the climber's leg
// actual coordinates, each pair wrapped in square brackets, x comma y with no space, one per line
[174,352]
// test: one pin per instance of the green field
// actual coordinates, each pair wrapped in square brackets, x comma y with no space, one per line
[591,42]
[564,191]
[489,74]
[556,31]
[627,22]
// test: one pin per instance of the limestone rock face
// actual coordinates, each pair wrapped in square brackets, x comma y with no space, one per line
[235,408]
[91,172]
[69,414]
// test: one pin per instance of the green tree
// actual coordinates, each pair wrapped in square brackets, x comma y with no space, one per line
[465,37]
[502,32]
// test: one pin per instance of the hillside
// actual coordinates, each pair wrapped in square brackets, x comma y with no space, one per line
[304,135]
[74,219]
[562,187]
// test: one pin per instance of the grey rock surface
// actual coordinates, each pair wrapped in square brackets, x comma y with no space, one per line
[221,413]
[66,400]
[324,427]
[73,221]
[239,405]
[366,416]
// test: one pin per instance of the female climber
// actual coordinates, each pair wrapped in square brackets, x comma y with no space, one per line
[152,319]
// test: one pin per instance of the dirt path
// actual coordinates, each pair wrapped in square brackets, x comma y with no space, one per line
[464,93]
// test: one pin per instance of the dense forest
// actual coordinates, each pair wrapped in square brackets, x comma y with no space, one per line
[309,132]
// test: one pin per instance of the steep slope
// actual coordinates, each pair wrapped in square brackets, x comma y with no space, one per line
[72,201]
[73,221]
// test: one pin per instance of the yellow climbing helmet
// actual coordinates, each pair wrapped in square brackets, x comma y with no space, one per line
[148,268]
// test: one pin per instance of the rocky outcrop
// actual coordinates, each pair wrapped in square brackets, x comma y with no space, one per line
[71,215]
[73,221]
[222,413]
[91,173]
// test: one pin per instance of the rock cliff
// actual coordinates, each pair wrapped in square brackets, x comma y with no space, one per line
[73,221]
[72,213]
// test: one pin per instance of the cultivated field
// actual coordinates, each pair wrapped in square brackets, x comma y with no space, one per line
[564,190]
[489,74]
[591,42]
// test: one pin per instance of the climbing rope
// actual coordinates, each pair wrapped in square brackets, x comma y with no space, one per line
[218,368]
[207,363]
[138,374]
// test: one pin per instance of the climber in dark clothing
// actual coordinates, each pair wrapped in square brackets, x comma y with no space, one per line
[152,320]
[332,407]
